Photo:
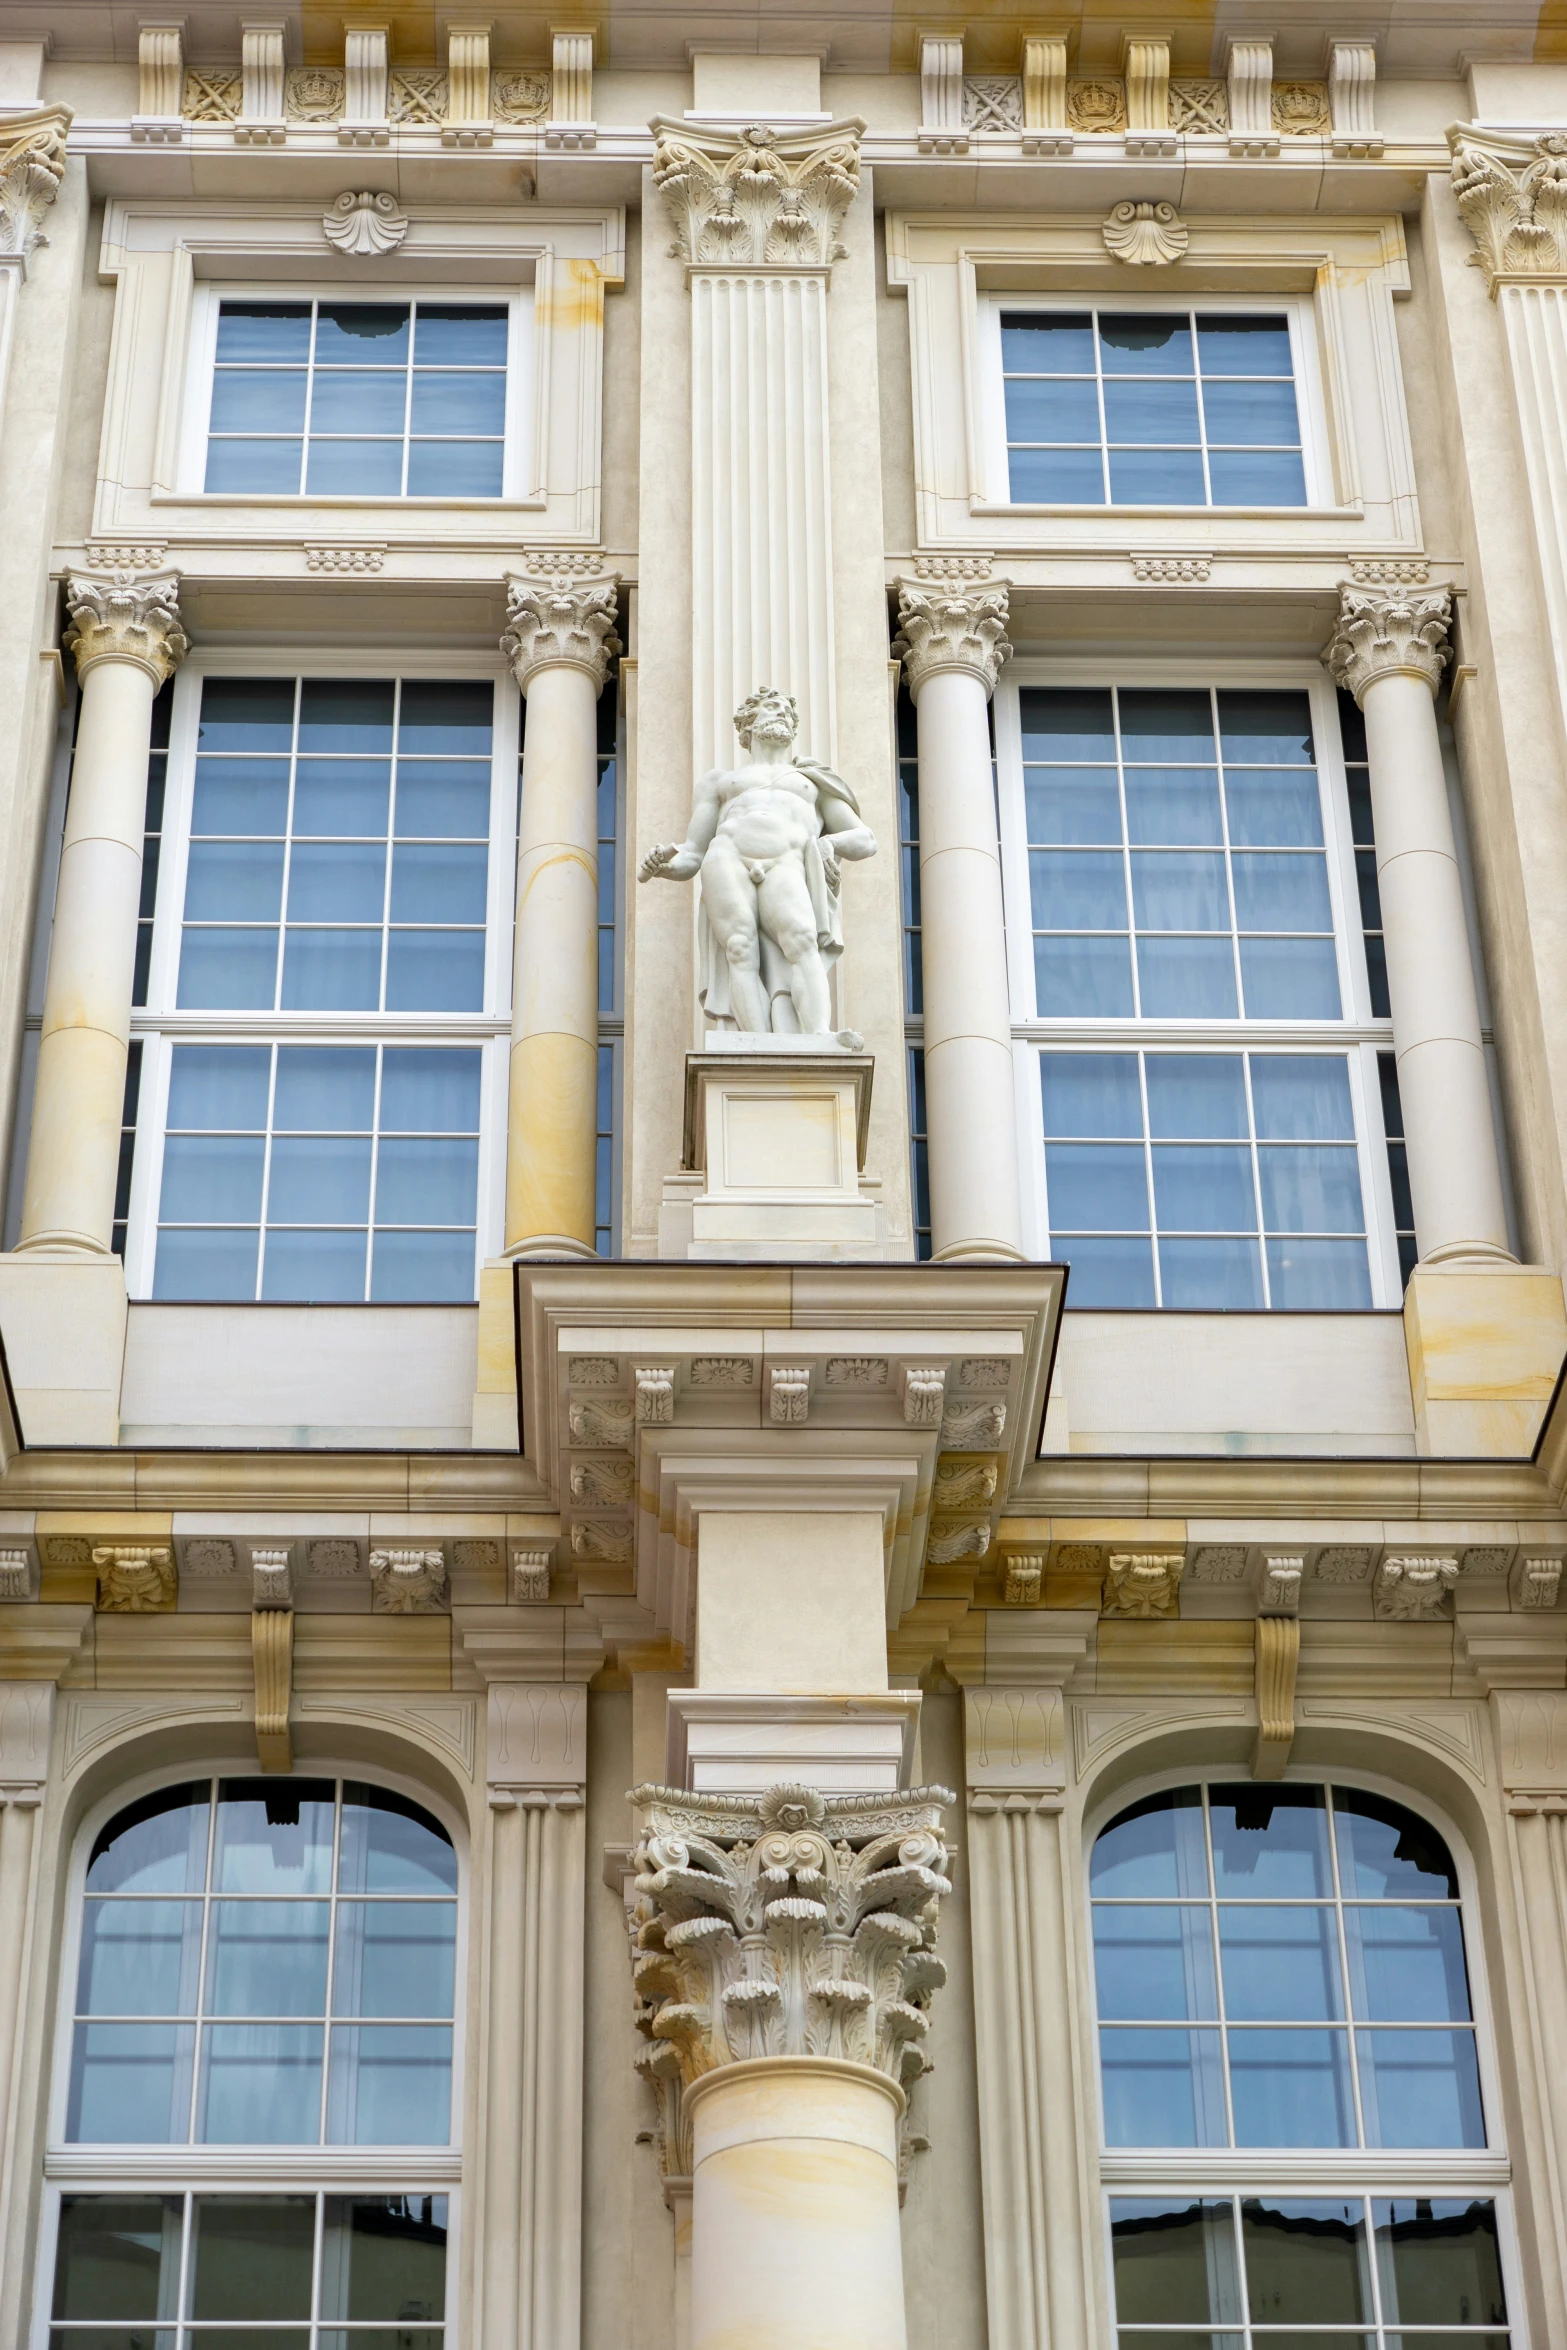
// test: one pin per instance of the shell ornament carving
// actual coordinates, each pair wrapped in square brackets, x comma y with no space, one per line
[1146,234]
[365,223]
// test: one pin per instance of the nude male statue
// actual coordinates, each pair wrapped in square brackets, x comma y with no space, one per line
[766,838]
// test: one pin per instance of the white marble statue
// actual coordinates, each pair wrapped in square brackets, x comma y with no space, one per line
[766,838]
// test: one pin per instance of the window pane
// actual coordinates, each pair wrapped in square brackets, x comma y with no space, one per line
[1154,1851]
[1108,1273]
[358,401]
[157,1845]
[346,797]
[345,714]
[249,468]
[1290,978]
[435,884]
[1309,1187]
[1083,977]
[332,970]
[1270,1844]
[429,1091]
[1406,1964]
[1306,2262]
[390,1846]
[274,1836]
[228,970]
[1281,892]
[1291,2088]
[1312,1276]
[394,1958]
[1161,2088]
[118,2256]
[240,795]
[271,331]
[349,469]
[267,1958]
[1197,1095]
[1203,1187]
[1091,1093]
[325,1086]
[1077,889]
[452,404]
[1209,1274]
[390,2085]
[1386,1853]
[246,714]
[1174,805]
[353,332]
[139,1958]
[384,2256]
[252,2255]
[1174,2261]
[1272,807]
[443,799]
[427,1182]
[457,334]
[337,881]
[1186,978]
[1302,1097]
[1061,343]
[1056,477]
[1176,890]
[234,881]
[130,2084]
[435,971]
[1097,1187]
[260,2085]
[1251,413]
[1266,727]
[1243,345]
[1151,412]
[1438,2262]
[259,400]
[1146,343]
[455,469]
[313,1268]
[1280,1963]
[1257,477]
[422,1268]
[1420,2088]
[211,1265]
[1073,723]
[1154,1963]
[319,1179]
[1053,409]
[1156,477]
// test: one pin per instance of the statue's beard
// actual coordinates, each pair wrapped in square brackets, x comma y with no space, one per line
[772,731]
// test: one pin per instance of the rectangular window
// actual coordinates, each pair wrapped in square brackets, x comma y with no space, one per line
[358,399]
[294,2271]
[1151,407]
[152,838]
[1177,867]
[1204,1179]
[919,1141]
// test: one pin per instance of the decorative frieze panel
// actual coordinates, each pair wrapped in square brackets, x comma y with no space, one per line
[794,1925]
[1143,1583]
[1414,1586]
[134,1578]
[316,96]
[757,197]
[407,1582]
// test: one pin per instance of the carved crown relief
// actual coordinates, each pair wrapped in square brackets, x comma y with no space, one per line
[1512,196]
[757,197]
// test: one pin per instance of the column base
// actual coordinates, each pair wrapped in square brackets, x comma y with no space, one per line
[1485,1346]
[63,1318]
[978,1252]
[548,1248]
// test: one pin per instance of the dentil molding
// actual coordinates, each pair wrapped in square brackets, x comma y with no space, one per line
[1512,196]
[32,165]
[123,618]
[1388,634]
[757,198]
[554,624]
[785,1925]
[951,627]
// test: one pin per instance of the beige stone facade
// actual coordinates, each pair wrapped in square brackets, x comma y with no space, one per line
[825,1606]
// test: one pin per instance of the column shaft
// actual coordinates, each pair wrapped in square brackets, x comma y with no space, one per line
[127,640]
[552,1117]
[1389,652]
[795,2233]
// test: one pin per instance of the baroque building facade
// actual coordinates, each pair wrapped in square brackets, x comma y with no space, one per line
[782,1477]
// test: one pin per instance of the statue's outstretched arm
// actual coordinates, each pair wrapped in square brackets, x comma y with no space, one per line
[850,838]
[672,862]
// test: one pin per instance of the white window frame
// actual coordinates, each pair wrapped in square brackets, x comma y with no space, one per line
[1305,359]
[207,298]
[159,1025]
[1324,2172]
[1357,1036]
[162,2169]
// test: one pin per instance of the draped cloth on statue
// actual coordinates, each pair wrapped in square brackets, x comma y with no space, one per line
[826,905]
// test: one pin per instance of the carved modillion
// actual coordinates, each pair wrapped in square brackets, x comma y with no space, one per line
[1277,1659]
[272,1659]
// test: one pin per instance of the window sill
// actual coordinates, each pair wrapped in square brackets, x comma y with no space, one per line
[403,2165]
[1183,514]
[286,503]
[1348,2166]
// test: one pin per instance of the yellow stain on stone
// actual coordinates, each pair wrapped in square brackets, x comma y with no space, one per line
[550,1139]
[1485,1349]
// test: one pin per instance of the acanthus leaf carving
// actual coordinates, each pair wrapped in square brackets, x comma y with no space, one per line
[789,1924]
[124,618]
[1144,1583]
[1388,633]
[951,627]
[758,197]
[1511,194]
[406,1582]
[135,1578]
[31,169]
[1411,1588]
[560,623]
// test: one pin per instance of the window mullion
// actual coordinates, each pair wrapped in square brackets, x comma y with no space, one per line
[1202,408]
[1218,1967]
[1099,394]
[1343,1955]
[1256,1180]
[408,398]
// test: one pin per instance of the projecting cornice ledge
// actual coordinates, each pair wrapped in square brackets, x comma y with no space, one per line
[1511,190]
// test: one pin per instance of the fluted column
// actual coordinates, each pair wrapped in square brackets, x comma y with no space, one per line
[560,641]
[530,2264]
[127,639]
[785,1966]
[1389,651]
[953,642]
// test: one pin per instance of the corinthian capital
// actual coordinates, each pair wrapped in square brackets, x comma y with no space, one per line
[951,628]
[560,624]
[1388,634]
[786,1925]
[123,618]
[757,197]
[32,165]
[1512,195]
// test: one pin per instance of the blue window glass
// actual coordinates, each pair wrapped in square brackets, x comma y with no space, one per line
[1151,408]
[312,1901]
[358,399]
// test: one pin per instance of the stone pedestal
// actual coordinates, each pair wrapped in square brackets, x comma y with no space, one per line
[742,1742]
[775,1132]
[1485,1349]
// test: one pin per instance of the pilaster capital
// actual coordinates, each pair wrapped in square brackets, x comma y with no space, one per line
[757,198]
[125,618]
[1511,192]
[1388,633]
[560,624]
[32,165]
[950,627]
[788,1924]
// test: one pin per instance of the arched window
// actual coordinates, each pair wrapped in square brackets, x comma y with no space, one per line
[262,1994]
[1290,2082]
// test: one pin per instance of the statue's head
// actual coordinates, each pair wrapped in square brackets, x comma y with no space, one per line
[769,715]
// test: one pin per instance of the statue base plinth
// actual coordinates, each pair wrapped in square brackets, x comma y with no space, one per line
[774,1152]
